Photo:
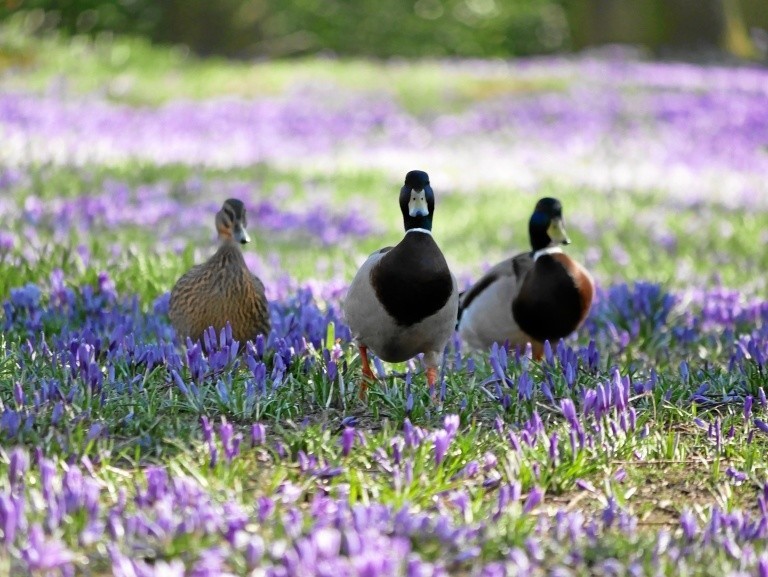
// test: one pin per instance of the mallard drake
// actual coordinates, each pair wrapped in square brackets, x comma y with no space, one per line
[404,300]
[532,297]
[221,289]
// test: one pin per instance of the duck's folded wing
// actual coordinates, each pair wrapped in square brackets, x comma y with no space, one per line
[258,284]
[515,267]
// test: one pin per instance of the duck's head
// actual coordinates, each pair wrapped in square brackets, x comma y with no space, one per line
[417,201]
[231,222]
[546,226]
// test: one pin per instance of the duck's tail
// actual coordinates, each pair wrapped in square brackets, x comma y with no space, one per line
[461,310]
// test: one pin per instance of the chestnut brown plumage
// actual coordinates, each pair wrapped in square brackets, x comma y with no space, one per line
[222,289]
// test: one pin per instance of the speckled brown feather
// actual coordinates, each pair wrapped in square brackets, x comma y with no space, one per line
[220,290]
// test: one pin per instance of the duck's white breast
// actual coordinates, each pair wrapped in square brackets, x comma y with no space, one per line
[374,328]
[489,319]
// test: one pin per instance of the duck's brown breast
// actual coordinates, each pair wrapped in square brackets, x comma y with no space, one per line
[554,298]
[221,290]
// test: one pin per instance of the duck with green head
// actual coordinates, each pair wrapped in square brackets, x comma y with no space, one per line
[535,296]
[403,300]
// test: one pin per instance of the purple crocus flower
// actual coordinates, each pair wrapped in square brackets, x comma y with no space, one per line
[409,404]
[586,485]
[230,440]
[18,465]
[347,440]
[9,518]
[398,444]
[525,386]
[535,496]
[211,563]
[43,554]
[762,565]
[265,507]
[258,434]
[688,524]
[470,470]
[18,395]
[327,542]
[736,475]
[762,425]
[94,431]
[747,407]
[554,451]
[254,551]
[207,426]
[489,461]
[548,354]
[7,242]
[569,412]
[442,440]
[349,421]
[451,424]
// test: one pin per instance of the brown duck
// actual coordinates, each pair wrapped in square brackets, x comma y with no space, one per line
[221,289]
[532,297]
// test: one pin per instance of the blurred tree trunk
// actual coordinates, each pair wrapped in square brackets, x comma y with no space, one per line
[207,26]
[595,22]
[662,25]
[755,13]
[736,39]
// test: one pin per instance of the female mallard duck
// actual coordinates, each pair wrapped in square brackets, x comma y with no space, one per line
[403,301]
[222,289]
[535,296]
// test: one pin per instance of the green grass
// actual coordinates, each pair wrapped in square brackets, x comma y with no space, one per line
[131,70]
[474,230]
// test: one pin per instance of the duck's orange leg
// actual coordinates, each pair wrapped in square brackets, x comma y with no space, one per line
[432,381]
[367,373]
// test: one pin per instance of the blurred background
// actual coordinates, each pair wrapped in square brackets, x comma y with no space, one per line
[689,29]
[313,109]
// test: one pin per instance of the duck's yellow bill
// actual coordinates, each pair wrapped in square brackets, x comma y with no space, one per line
[556,232]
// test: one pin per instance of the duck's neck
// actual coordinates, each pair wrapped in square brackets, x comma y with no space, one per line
[537,232]
[228,242]
[555,249]
[417,222]
[420,230]
[230,248]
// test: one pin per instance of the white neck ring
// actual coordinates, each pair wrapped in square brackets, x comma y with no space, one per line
[424,230]
[547,250]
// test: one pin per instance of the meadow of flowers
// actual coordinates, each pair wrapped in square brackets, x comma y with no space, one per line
[636,447]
